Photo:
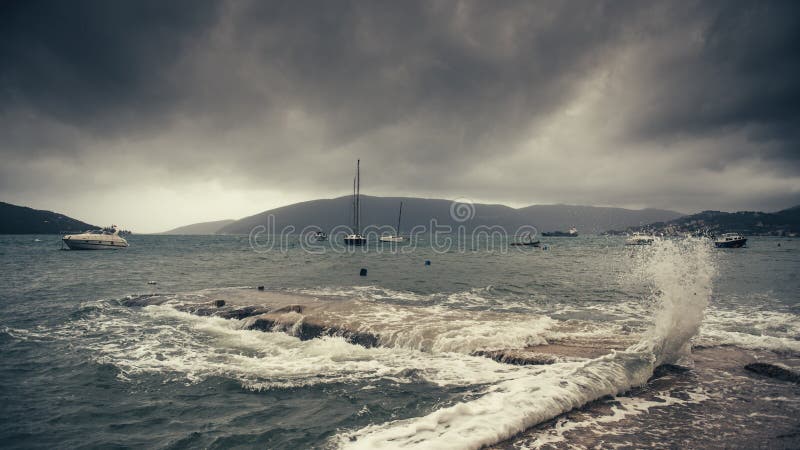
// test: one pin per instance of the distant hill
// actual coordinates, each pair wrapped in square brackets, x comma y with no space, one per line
[382,211]
[22,220]
[592,219]
[200,228]
[754,223]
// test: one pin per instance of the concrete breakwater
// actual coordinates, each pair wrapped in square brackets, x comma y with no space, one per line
[311,316]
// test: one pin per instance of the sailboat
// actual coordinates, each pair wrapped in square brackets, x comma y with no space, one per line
[396,238]
[356,238]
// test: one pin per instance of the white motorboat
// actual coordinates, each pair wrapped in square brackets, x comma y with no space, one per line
[392,238]
[640,239]
[397,237]
[356,238]
[320,236]
[105,239]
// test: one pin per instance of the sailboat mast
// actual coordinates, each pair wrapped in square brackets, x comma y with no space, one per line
[353,210]
[358,196]
[399,216]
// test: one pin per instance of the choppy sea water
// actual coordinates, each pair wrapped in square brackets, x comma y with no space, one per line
[80,368]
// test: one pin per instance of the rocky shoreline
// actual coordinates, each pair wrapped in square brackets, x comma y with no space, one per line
[748,388]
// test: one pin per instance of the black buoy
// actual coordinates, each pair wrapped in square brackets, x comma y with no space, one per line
[261,288]
[219,303]
[427,262]
[363,272]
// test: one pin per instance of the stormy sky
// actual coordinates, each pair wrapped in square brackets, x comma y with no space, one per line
[154,114]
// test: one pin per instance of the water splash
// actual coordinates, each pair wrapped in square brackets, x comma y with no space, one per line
[680,273]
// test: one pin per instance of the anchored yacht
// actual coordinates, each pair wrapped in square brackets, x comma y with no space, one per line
[395,238]
[356,238]
[105,239]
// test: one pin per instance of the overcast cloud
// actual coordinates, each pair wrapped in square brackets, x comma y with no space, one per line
[156,114]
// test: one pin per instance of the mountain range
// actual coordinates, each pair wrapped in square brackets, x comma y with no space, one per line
[200,228]
[24,220]
[750,223]
[382,211]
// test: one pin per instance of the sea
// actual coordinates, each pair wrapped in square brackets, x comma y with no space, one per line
[649,345]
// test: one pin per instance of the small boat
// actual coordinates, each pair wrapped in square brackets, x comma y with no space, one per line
[105,239]
[730,240]
[356,238]
[573,232]
[640,239]
[320,236]
[397,237]
[527,241]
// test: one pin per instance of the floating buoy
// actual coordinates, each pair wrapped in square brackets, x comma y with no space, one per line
[219,303]
[261,288]
[363,272]
[427,262]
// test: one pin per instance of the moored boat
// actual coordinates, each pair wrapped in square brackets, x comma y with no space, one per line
[730,240]
[356,238]
[395,237]
[105,239]
[640,239]
[526,240]
[573,232]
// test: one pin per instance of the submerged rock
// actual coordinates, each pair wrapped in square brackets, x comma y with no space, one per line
[242,313]
[144,300]
[774,371]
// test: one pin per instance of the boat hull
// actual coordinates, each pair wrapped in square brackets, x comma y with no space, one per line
[738,243]
[525,244]
[355,241]
[392,239]
[75,244]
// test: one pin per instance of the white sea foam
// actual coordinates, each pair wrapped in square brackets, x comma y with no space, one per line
[441,329]
[681,273]
[752,329]
[162,340]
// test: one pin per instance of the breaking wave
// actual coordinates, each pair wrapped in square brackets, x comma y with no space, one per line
[680,273]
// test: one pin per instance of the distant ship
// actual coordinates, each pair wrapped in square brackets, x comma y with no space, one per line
[320,236]
[356,238]
[105,239]
[397,237]
[573,232]
[730,240]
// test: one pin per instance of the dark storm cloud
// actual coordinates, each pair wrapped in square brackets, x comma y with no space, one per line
[441,98]
[740,70]
[95,64]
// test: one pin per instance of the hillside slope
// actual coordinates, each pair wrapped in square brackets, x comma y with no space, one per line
[23,220]
[328,214]
[200,228]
